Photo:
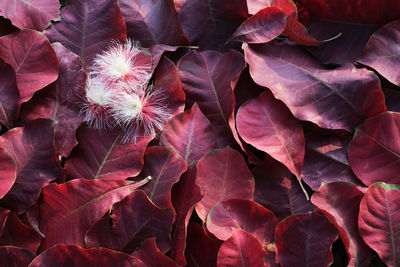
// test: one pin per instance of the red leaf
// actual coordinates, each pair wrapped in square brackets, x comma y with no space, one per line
[152,256]
[383,53]
[246,88]
[278,131]
[60,255]
[76,206]
[9,101]
[15,257]
[305,240]
[335,99]
[190,133]
[133,219]
[242,250]
[164,166]
[60,100]
[101,154]
[206,78]
[374,152]
[31,15]
[340,203]
[153,22]
[8,172]
[278,190]
[243,214]
[264,26]
[88,26]
[379,221]
[222,175]
[32,149]
[209,24]
[32,58]
[185,194]
[256,5]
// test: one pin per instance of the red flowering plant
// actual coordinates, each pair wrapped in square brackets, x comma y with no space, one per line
[199,133]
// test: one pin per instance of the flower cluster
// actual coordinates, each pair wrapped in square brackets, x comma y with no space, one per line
[118,93]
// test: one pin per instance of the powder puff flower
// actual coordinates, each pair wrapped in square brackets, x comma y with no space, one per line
[123,63]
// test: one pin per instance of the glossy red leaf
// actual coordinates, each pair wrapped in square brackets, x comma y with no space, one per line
[32,58]
[132,220]
[222,175]
[164,166]
[326,161]
[150,255]
[209,24]
[264,26]
[88,26]
[15,233]
[340,203]
[382,52]
[15,257]
[61,100]
[278,132]
[185,194]
[153,22]
[30,14]
[9,102]
[32,149]
[206,78]
[278,190]
[101,154]
[76,206]
[374,152]
[245,215]
[60,255]
[190,133]
[379,221]
[241,250]
[256,5]
[305,239]
[8,172]
[340,98]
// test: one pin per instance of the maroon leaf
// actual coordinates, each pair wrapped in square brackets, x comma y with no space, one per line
[101,154]
[60,100]
[185,194]
[305,239]
[9,102]
[326,160]
[335,99]
[60,255]
[31,15]
[278,131]
[206,78]
[150,255]
[32,149]
[374,152]
[15,257]
[133,219]
[209,24]
[88,26]
[340,203]
[242,250]
[222,175]
[8,172]
[264,26]
[382,52]
[17,234]
[153,22]
[32,58]
[379,221]
[246,88]
[256,5]
[190,133]
[278,190]
[164,166]
[76,206]
[243,214]
[392,99]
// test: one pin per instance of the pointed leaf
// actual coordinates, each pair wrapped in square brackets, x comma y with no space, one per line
[32,58]
[9,102]
[335,99]
[379,221]
[150,255]
[15,257]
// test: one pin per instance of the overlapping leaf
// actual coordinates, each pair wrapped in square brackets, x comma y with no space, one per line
[150,255]
[9,101]
[8,172]
[15,257]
